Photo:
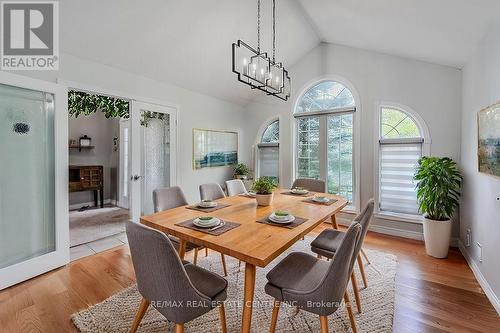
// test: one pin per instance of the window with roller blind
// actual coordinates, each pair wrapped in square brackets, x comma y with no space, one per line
[268,152]
[400,147]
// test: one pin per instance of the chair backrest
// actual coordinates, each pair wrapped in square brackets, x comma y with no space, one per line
[364,218]
[167,198]
[161,277]
[235,187]
[332,287]
[314,185]
[211,191]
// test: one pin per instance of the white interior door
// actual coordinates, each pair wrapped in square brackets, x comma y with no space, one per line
[34,233]
[153,154]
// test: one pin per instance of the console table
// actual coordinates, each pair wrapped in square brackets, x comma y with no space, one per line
[87,178]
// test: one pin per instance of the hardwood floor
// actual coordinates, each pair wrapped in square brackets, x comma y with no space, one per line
[431,295]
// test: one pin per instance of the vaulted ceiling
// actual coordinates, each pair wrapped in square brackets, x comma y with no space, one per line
[188,42]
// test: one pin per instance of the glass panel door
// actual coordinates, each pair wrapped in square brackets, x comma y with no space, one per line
[152,154]
[33,231]
[308,152]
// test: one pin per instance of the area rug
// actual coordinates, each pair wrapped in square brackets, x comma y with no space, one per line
[117,312]
[93,224]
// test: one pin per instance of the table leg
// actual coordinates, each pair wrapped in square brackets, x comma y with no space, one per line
[248,297]
[182,248]
[101,193]
[95,199]
[334,222]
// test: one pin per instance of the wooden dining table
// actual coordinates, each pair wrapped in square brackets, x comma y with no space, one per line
[254,243]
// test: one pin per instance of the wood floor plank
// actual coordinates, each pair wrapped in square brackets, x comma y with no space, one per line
[432,295]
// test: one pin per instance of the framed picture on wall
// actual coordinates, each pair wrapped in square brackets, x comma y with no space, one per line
[488,121]
[213,148]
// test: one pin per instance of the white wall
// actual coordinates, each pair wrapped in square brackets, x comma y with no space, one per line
[480,210]
[433,91]
[196,110]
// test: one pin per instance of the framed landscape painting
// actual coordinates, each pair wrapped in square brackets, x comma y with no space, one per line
[212,148]
[489,140]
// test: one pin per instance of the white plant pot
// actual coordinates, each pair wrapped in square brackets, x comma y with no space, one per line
[437,236]
[264,199]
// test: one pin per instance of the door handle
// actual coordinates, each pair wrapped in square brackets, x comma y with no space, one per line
[135,177]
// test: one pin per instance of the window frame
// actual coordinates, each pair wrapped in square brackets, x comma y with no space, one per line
[354,207]
[426,150]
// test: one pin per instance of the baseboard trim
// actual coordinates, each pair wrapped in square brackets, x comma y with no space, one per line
[488,291]
[396,232]
[91,204]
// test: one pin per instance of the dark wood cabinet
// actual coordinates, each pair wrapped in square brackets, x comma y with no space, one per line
[87,178]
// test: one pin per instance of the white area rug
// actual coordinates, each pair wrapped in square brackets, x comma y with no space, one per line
[117,312]
[93,224]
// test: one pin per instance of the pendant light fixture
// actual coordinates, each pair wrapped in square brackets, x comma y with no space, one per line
[259,71]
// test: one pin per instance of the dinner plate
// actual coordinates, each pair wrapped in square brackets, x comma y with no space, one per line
[202,224]
[273,218]
[323,200]
[207,205]
[294,191]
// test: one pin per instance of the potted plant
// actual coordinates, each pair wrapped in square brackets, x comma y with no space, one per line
[263,188]
[438,194]
[241,171]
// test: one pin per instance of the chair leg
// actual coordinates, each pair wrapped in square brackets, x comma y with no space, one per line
[223,264]
[318,256]
[323,320]
[362,271]
[334,222]
[179,328]
[366,257]
[140,313]
[222,314]
[195,259]
[274,318]
[206,252]
[356,291]
[349,312]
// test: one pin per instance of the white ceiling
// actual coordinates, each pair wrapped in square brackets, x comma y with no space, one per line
[188,42]
[438,31]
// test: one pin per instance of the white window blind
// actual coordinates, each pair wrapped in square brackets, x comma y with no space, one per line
[398,160]
[269,161]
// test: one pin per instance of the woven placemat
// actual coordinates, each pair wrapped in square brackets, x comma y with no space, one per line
[219,231]
[298,221]
[330,201]
[209,209]
[308,194]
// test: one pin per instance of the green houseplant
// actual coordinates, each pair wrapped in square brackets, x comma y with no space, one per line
[263,188]
[438,194]
[241,171]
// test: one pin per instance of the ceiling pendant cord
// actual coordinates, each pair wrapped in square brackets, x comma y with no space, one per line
[274,31]
[258,26]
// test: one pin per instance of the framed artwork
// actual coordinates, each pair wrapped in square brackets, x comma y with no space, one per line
[488,121]
[212,148]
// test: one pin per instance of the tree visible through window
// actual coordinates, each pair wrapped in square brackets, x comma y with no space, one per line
[268,152]
[272,133]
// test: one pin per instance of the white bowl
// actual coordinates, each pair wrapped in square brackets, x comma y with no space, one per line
[321,199]
[274,218]
[207,204]
[301,191]
[206,223]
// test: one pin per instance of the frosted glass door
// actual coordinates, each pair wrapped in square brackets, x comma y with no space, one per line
[152,154]
[30,237]
[27,197]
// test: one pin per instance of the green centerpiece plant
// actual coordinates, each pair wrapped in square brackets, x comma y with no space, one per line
[263,188]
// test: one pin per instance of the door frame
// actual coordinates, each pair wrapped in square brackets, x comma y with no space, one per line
[122,200]
[35,266]
[90,88]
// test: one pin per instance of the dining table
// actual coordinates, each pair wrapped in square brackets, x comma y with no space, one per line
[256,244]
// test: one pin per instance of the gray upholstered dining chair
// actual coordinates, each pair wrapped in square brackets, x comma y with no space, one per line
[172,197]
[211,191]
[314,185]
[170,284]
[329,240]
[235,187]
[315,285]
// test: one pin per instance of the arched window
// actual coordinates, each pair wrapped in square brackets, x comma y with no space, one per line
[325,137]
[400,147]
[268,152]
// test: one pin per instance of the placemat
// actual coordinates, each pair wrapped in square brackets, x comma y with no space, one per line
[219,231]
[298,221]
[309,194]
[328,203]
[208,210]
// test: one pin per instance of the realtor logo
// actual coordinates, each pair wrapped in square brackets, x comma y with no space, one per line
[30,35]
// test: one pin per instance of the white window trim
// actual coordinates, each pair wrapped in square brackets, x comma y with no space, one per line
[426,151]
[355,208]
[258,142]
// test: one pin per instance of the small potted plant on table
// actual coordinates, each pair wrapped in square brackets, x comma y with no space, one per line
[438,194]
[263,188]
[241,171]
